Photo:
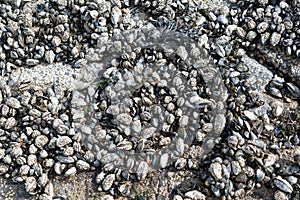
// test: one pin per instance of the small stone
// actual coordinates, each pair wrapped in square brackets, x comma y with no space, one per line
[212,16]
[124,119]
[262,27]
[16,151]
[177,197]
[236,168]
[116,15]
[292,180]
[65,159]
[75,51]
[30,185]
[62,2]
[275,92]
[270,160]
[164,160]
[180,163]
[241,32]
[294,90]
[260,175]
[181,51]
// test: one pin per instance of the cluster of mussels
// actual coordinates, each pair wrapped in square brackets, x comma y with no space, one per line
[39,126]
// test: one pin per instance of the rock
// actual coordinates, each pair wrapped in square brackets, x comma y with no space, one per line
[30,185]
[260,175]
[94,14]
[182,53]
